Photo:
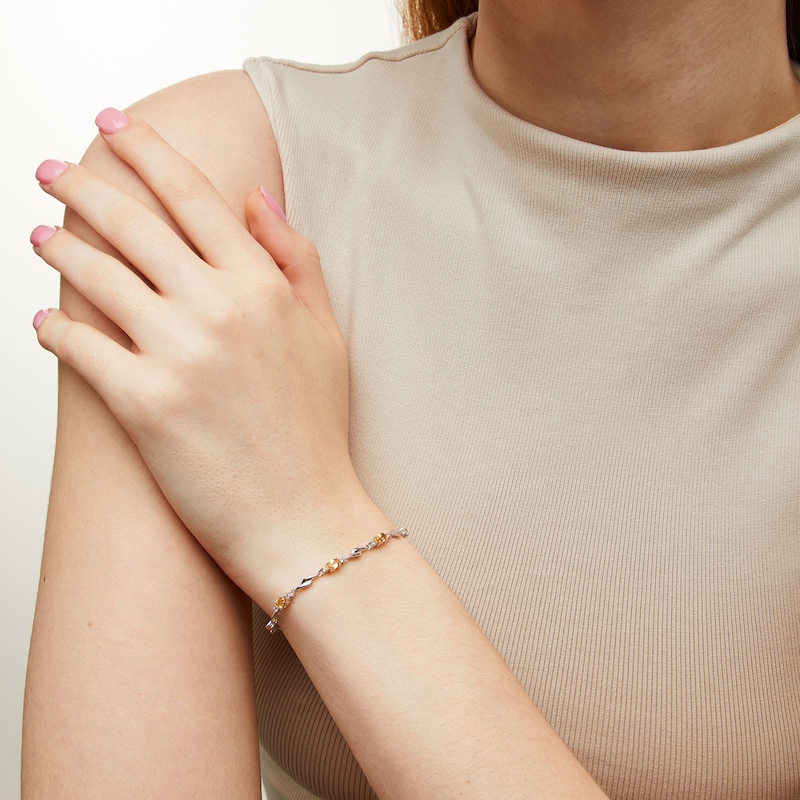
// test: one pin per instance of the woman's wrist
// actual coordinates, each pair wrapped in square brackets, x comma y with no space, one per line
[302,542]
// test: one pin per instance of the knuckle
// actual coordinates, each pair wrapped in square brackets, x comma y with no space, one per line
[155,400]
[115,298]
[97,272]
[185,185]
[222,313]
[307,249]
[275,298]
[126,216]
[135,304]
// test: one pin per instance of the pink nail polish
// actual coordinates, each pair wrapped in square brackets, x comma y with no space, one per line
[272,203]
[39,318]
[111,120]
[49,170]
[41,233]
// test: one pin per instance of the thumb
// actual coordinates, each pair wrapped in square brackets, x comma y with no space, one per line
[296,257]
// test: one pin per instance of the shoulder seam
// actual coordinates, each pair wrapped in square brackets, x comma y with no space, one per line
[428,45]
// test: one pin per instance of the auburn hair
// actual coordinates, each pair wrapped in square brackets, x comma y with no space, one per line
[793,28]
[421,18]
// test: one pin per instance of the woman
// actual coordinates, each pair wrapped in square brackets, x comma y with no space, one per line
[560,241]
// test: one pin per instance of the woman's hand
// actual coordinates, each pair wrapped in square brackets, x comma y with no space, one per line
[234,386]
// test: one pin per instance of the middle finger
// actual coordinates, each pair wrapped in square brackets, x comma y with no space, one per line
[136,231]
[185,192]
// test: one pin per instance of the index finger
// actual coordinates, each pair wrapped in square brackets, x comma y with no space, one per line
[186,193]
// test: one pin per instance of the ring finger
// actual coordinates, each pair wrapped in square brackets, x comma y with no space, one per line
[104,281]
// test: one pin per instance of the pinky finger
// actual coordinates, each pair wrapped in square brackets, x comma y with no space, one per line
[108,367]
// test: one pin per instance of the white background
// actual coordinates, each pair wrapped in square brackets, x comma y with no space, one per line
[61,63]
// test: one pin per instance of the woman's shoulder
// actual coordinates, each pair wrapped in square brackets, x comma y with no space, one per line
[377,81]
[219,123]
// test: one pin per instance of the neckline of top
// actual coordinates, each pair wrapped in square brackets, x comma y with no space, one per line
[751,146]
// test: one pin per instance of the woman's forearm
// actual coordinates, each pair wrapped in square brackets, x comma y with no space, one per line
[140,677]
[424,700]
[140,671]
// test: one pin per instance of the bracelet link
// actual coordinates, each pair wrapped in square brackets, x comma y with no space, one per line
[283,602]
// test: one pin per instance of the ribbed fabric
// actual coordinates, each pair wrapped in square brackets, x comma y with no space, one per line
[575,378]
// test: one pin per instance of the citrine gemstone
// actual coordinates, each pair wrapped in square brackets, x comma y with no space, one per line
[281,603]
[333,565]
[380,539]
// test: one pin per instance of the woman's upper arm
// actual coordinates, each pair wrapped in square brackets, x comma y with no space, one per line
[140,676]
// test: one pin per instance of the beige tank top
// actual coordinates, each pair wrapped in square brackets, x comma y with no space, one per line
[576,379]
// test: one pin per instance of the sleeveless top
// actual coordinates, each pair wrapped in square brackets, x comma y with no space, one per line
[575,378]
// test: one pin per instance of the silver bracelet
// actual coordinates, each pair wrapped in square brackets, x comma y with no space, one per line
[283,602]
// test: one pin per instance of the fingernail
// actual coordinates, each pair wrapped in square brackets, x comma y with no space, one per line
[49,170]
[272,203]
[41,233]
[111,120]
[39,318]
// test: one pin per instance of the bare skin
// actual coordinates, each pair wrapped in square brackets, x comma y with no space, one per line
[140,672]
[140,682]
[634,75]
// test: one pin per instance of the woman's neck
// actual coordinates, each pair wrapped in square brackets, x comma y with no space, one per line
[639,74]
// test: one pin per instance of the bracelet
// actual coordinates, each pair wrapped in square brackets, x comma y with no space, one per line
[283,602]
